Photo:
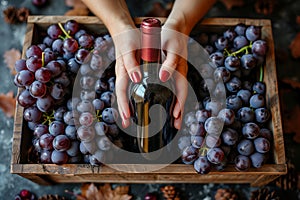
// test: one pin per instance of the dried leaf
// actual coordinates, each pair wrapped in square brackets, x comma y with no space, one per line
[77,12]
[8,103]
[105,192]
[292,83]
[10,58]
[295,46]
[232,3]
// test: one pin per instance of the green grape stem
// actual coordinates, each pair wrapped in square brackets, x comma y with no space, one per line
[261,74]
[43,59]
[98,115]
[245,48]
[64,31]
[48,118]
[203,150]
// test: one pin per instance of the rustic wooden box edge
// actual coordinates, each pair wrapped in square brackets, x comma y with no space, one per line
[46,174]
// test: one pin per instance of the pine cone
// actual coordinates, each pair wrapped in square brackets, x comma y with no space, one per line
[226,194]
[22,14]
[170,193]
[52,197]
[264,194]
[10,14]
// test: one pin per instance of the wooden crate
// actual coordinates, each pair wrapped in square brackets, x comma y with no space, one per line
[174,173]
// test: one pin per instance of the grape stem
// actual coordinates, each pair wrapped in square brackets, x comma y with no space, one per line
[245,48]
[98,115]
[203,150]
[261,74]
[64,31]
[43,59]
[48,118]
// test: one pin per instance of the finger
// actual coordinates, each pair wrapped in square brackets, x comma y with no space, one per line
[132,66]
[181,86]
[121,92]
[168,66]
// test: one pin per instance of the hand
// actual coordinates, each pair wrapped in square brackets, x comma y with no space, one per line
[127,66]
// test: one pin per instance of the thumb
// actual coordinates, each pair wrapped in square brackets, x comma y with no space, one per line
[168,66]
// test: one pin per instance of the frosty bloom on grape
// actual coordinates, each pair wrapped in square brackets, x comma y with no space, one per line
[96,65]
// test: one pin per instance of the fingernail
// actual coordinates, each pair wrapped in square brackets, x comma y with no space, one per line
[164,75]
[125,124]
[178,116]
[135,76]
[125,116]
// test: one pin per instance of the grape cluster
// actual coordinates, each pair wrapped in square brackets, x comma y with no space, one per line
[63,126]
[230,122]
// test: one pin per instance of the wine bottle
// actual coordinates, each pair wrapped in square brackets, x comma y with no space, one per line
[154,128]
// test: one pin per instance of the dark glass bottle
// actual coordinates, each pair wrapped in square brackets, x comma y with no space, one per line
[155,132]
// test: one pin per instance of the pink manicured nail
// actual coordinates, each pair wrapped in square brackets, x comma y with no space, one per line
[125,116]
[164,75]
[135,76]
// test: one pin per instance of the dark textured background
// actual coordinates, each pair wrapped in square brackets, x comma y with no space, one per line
[284,30]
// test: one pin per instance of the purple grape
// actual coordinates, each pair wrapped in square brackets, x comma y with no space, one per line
[71,117]
[209,49]
[259,87]
[79,33]
[113,130]
[245,114]
[24,78]
[34,50]
[108,98]
[98,104]
[196,141]
[257,101]
[233,102]
[242,163]
[45,156]
[217,58]
[87,95]
[229,34]
[250,130]
[222,74]
[262,115]
[71,132]
[73,65]
[90,147]
[57,46]
[101,86]
[253,33]
[81,56]
[247,85]
[37,89]
[85,106]
[73,149]
[213,107]
[202,165]
[248,61]
[197,129]
[259,47]
[55,67]
[56,128]
[232,63]
[240,29]
[86,133]
[215,155]
[48,41]
[54,31]
[212,141]
[72,27]
[104,143]
[257,159]
[183,142]
[97,62]
[202,115]
[59,157]
[61,143]
[25,99]
[49,56]
[240,42]
[101,128]
[244,95]
[43,75]
[221,43]
[87,82]
[214,125]
[86,119]
[227,115]
[110,115]
[234,84]
[230,136]
[86,41]
[40,130]
[189,155]
[32,114]
[262,145]
[46,141]
[245,147]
